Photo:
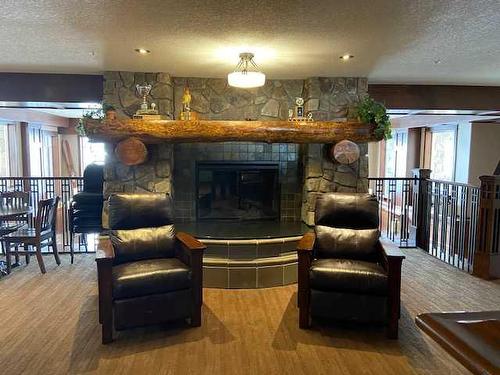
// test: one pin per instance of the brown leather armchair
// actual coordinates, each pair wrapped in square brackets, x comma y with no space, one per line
[147,273]
[344,271]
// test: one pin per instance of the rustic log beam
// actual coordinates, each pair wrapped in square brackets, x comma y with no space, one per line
[174,131]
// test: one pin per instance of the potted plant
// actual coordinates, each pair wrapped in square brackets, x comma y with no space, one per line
[371,112]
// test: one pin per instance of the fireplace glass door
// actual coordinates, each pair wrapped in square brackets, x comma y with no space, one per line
[237,191]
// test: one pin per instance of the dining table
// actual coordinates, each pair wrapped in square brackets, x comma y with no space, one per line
[11,213]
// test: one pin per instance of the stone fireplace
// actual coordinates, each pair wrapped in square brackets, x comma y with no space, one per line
[238,182]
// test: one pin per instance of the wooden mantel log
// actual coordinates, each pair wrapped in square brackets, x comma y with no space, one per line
[175,131]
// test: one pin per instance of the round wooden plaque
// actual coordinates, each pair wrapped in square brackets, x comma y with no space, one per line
[131,151]
[345,152]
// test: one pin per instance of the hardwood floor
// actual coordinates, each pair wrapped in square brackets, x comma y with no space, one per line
[49,326]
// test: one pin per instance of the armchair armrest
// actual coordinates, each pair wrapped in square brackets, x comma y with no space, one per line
[189,249]
[392,257]
[105,252]
[306,243]
[189,242]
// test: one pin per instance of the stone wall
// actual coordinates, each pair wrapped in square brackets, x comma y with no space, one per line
[156,174]
[305,170]
[331,99]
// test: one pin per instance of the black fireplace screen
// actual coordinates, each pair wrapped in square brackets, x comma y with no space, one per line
[237,191]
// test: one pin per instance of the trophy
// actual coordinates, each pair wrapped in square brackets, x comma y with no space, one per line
[298,113]
[299,108]
[143,91]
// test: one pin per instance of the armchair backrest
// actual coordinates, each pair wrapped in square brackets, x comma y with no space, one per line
[93,178]
[347,226]
[141,226]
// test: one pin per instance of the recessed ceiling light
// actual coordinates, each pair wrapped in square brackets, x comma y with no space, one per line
[142,51]
[346,57]
[437,61]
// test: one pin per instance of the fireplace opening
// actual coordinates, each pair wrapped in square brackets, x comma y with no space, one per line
[237,191]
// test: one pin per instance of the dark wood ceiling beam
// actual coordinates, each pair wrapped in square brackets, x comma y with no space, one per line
[59,88]
[437,97]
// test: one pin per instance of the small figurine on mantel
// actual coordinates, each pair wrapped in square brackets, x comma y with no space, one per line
[186,113]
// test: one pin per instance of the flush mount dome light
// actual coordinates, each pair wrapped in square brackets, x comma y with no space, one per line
[346,57]
[142,51]
[246,74]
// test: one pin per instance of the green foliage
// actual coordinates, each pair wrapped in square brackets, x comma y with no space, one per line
[371,112]
[95,114]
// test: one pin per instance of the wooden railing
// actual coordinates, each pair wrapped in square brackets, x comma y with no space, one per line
[48,187]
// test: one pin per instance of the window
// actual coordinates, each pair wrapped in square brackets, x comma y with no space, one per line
[395,154]
[41,151]
[4,151]
[443,152]
[10,154]
[91,152]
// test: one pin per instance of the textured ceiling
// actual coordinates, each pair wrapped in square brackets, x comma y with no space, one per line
[392,40]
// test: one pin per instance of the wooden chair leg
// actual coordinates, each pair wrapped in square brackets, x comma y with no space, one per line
[106,316]
[304,311]
[107,333]
[27,254]
[54,248]
[392,328]
[71,244]
[17,253]
[7,256]
[196,316]
[39,257]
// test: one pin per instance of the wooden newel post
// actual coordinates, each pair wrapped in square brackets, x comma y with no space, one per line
[487,255]
[421,186]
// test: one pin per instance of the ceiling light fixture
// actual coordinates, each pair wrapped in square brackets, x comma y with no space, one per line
[246,74]
[142,51]
[346,57]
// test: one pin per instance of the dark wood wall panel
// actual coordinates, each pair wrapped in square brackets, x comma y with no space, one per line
[436,97]
[34,87]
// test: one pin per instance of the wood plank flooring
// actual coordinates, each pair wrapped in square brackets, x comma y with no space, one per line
[49,326]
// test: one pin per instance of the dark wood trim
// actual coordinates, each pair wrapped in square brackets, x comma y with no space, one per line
[40,87]
[436,97]
[25,149]
[304,250]
[192,254]
[392,260]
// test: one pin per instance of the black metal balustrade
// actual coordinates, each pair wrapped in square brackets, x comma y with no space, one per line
[452,219]
[397,197]
[48,187]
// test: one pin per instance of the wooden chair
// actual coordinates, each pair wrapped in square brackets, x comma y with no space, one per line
[14,199]
[44,230]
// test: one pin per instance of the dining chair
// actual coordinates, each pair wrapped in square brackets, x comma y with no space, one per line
[44,230]
[13,199]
